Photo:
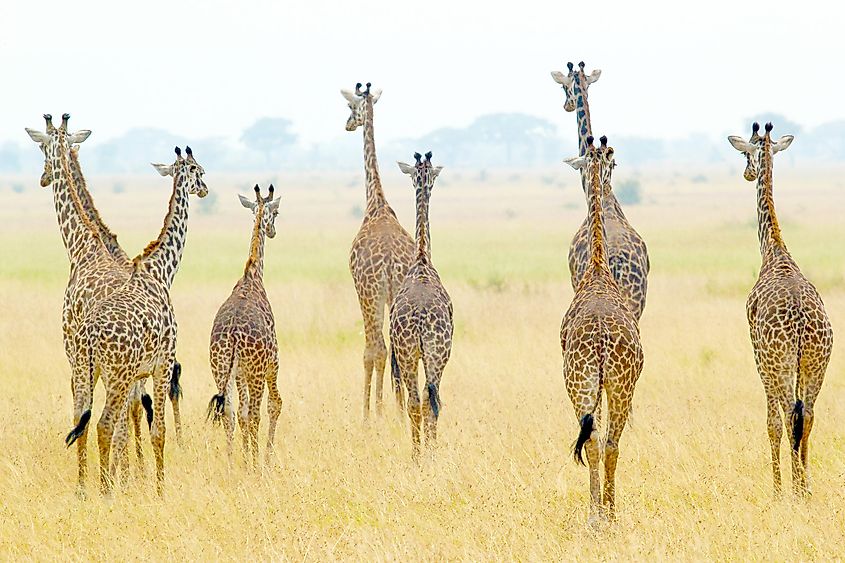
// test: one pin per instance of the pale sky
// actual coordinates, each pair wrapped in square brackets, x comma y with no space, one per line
[210,68]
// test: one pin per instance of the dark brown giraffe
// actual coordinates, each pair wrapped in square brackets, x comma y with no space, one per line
[790,330]
[627,252]
[600,342]
[381,252]
[243,348]
[421,324]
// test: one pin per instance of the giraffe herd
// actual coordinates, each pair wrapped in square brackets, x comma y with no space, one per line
[119,325]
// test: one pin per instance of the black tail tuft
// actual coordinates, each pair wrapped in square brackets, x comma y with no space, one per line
[216,408]
[78,429]
[797,424]
[394,371]
[175,386]
[583,436]
[147,403]
[434,399]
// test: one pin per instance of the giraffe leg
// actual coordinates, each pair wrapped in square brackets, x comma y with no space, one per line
[254,421]
[618,409]
[409,376]
[243,413]
[115,401]
[805,447]
[81,407]
[775,427]
[175,395]
[788,407]
[431,395]
[229,419]
[120,440]
[375,352]
[274,408]
[135,414]
[161,386]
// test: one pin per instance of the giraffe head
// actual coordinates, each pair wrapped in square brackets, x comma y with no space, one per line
[267,206]
[575,83]
[358,104]
[422,173]
[758,147]
[597,162]
[52,143]
[186,172]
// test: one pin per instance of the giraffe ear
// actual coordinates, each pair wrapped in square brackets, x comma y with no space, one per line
[163,169]
[79,136]
[349,95]
[576,162]
[594,76]
[782,144]
[561,78]
[406,168]
[740,144]
[38,136]
[435,172]
[274,205]
[248,203]
[375,95]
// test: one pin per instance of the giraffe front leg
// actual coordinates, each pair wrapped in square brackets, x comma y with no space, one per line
[372,337]
[274,408]
[115,401]
[775,429]
[161,385]
[120,440]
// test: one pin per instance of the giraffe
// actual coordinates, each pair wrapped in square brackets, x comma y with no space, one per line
[243,342]
[627,252]
[421,324]
[600,340]
[790,330]
[381,253]
[131,334]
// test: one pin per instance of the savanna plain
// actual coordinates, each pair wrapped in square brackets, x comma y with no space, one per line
[694,478]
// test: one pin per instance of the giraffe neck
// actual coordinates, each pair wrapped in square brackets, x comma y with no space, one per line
[423,233]
[79,235]
[106,235]
[375,195]
[582,113]
[255,262]
[768,228]
[598,255]
[162,256]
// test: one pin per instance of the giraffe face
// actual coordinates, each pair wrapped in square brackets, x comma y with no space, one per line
[422,173]
[267,207]
[757,148]
[575,84]
[596,164]
[187,173]
[51,143]
[357,102]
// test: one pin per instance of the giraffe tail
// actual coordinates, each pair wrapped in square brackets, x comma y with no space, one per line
[175,385]
[798,409]
[396,378]
[147,403]
[797,424]
[79,428]
[216,408]
[587,424]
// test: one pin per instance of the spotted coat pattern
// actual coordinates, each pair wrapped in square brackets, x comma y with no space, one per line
[381,253]
[243,347]
[421,324]
[600,342]
[627,252]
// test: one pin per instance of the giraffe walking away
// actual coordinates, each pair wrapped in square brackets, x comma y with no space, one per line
[421,324]
[243,347]
[381,253]
[626,251]
[790,330]
[131,333]
[600,341]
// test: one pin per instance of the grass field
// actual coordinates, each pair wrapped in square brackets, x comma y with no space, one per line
[694,479]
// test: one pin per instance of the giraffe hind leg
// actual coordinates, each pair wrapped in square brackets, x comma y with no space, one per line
[175,395]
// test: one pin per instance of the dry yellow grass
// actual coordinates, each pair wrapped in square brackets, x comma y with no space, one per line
[693,482]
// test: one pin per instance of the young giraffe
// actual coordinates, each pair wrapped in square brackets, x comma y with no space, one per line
[600,341]
[627,252]
[243,347]
[421,317]
[131,334]
[790,330]
[382,250]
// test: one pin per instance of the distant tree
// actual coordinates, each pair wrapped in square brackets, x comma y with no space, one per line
[628,192]
[269,135]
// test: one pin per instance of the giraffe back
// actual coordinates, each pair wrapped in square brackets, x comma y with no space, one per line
[381,254]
